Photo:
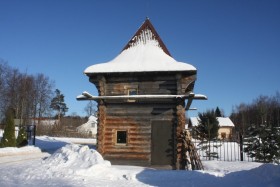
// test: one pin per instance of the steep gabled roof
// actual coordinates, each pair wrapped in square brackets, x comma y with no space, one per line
[145,33]
[145,52]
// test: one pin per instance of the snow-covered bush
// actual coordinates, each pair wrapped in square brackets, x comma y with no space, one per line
[22,137]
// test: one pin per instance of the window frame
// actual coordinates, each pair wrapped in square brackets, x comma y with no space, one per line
[116,138]
[135,89]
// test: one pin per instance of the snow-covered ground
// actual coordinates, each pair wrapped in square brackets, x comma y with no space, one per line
[79,165]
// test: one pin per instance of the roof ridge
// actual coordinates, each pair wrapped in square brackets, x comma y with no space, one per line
[146,33]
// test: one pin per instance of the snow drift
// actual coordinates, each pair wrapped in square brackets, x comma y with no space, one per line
[77,159]
[77,165]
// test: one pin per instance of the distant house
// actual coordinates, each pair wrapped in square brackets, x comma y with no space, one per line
[90,127]
[225,130]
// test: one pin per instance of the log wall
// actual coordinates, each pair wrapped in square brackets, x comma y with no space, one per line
[135,116]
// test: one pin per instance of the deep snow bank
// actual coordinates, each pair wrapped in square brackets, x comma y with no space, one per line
[77,159]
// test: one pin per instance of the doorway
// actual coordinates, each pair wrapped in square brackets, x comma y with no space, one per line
[162,143]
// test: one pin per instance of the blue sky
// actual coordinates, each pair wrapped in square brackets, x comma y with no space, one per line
[234,44]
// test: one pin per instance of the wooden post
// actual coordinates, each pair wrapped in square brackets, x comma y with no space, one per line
[241,146]
[101,116]
[34,134]
[100,127]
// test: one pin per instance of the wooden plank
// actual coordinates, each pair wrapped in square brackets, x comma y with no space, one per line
[127,156]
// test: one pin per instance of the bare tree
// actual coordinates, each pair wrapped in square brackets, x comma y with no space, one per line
[28,95]
[262,111]
[3,85]
[91,108]
[42,96]
[12,96]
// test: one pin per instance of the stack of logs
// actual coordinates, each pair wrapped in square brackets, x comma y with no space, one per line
[190,159]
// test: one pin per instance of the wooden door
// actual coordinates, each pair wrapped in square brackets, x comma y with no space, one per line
[162,143]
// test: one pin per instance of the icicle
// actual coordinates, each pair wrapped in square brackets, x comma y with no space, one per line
[144,37]
[151,35]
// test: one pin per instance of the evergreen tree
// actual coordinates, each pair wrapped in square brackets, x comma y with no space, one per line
[208,125]
[207,131]
[263,143]
[22,137]
[218,112]
[58,104]
[9,138]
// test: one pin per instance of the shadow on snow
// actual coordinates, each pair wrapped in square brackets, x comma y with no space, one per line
[265,175]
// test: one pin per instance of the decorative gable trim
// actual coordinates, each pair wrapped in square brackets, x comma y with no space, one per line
[146,33]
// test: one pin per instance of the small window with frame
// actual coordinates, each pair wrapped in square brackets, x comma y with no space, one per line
[132,91]
[121,137]
[223,135]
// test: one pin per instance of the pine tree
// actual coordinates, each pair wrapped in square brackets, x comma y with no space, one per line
[263,143]
[208,125]
[207,131]
[22,137]
[218,112]
[58,104]
[275,144]
[9,138]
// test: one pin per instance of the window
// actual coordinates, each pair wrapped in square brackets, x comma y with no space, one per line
[223,135]
[132,91]
[121,137]
[93,124]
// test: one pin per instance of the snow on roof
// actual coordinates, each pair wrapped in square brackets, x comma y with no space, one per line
[223,121]
[144,54]
[194,121]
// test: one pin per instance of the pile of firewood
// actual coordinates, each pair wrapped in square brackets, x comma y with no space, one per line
[190,159]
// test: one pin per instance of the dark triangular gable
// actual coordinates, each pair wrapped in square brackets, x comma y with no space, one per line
[147,25]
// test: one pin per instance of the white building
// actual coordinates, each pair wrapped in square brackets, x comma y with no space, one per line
[225,130]
[90,127]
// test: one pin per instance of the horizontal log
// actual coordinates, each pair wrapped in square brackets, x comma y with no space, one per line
[111,128]
[128,153]
[146,106]
[126,156]
[128,147]
[141,78]
[135,134]
[87,96]
[134,143]
[127,117]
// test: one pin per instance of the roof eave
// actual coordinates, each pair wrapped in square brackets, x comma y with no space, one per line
[89,74]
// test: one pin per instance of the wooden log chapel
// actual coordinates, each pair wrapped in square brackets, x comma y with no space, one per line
[141,102]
